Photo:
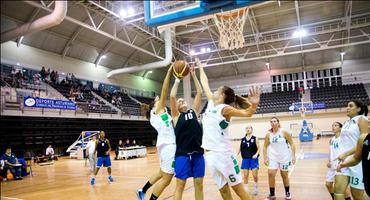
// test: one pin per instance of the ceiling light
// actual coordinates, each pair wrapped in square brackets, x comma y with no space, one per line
[149,72]
[192,52]
[123,13]
[299,33]
[104,56]
[342,53]
[203,50]
[131,11]
[208,49]
[18,64]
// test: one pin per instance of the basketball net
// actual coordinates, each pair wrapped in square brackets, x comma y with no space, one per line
[230,25]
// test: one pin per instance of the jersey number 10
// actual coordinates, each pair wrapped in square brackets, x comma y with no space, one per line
[188,116]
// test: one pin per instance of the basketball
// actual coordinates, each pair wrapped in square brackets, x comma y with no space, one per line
[180,69]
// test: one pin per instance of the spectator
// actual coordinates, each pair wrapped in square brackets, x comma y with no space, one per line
[43,73]
[47,76]
[52,77]
[11,162]
[127,144]
[50,152]
[68,78]
[120,145]
[134,143]
[14,80]
[56,77]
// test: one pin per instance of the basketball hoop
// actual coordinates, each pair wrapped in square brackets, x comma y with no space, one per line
[230,25]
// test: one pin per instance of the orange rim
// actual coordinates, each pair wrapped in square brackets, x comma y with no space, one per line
[231,15]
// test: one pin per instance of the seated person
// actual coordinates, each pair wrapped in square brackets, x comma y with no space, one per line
[50,153]
[40,158]
[3,170]
[134,143]
[11,162]
[127,144]
[120,145]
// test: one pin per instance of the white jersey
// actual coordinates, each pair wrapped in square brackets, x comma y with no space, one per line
[163,125]
[279,149]
[334,152]
[350,134]
[91,146]
[215,134]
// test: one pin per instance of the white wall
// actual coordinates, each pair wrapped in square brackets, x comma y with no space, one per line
[36,58]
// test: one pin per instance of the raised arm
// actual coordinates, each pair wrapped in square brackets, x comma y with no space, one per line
[253,100]
[198,97]
[265,146]
[162,99]
[204,80]
[288,137]
[173,101]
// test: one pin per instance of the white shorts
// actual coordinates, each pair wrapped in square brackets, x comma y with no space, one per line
[355,174]
[283,166]
[166,154]
[330,176]
[223,167]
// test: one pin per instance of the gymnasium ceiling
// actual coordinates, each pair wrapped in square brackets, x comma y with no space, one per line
[332,27]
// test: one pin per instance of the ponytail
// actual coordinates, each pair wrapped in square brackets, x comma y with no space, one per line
[146,108]
[241,102]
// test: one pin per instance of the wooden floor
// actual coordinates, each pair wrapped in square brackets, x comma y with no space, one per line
[69,179]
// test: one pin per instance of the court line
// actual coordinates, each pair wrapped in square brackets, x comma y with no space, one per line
[88,175]
[300,154]
[10,198]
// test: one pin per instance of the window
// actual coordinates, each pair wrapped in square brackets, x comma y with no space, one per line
[290,86]
[321,82]
[314,83]
[338,72]
[285,86]
[333,81]
[339,80]
[278,87]
[274,88]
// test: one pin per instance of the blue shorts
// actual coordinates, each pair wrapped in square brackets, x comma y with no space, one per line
[250,163]
[103,161]
[192,165]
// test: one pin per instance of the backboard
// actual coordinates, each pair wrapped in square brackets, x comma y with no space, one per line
[160,13]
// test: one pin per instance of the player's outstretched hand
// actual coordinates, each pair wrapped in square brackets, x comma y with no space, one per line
[254,95]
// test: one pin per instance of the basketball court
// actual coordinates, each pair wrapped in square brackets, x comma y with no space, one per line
[68,179]
[308,58]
